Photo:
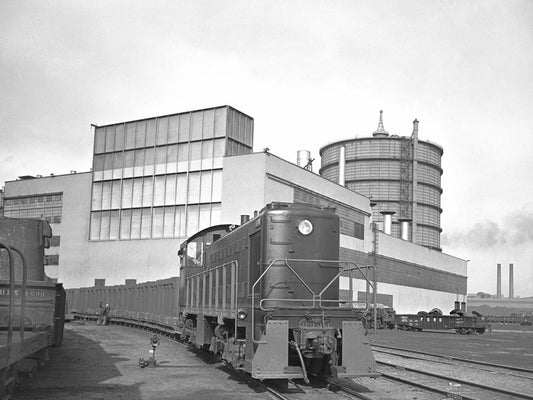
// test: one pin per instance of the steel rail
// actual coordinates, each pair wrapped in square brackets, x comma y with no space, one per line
[462,381]
[513,368]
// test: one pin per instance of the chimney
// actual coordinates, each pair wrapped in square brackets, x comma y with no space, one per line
[511,281]
[404,224]
[342,164]
[304,160]
[387,221]
[244,219]
[498,281]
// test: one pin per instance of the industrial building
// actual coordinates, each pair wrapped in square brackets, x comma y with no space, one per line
[157,180]
[400,174]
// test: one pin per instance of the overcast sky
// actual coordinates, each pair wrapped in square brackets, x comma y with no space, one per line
[308,72]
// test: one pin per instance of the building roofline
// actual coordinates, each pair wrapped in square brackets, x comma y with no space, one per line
[169,115]
[49,176]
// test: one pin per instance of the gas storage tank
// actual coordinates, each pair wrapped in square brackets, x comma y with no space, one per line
[400,174]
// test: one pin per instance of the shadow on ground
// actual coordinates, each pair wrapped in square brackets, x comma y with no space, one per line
[63,378]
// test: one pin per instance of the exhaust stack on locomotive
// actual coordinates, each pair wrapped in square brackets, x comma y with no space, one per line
[265,296]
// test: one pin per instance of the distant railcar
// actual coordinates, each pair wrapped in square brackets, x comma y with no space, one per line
[460,322]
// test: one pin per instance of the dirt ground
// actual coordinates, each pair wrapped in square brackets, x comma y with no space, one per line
[102,363]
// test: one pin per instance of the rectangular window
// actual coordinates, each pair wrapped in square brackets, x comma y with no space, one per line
[99,140]
[95,226]
[168,222]
[137,192]
[117,165]
[125,224]
[205,216]
[106,195]
[150,132]
[149,155]
[183,131]
[196,125]
[104,226]
[220,122]
[192,219]
[173,122]
[170,193]
[160,159]
[172,158]
[194,188]
[115,195]
[209,122]
[130,135]
[110,138]
[159,191]
[157,223]
[97,196]
[146,223]
[98,163]
[205,187]
[136,223]
[215,214]
[127,192]
[114,225]
[147,192]
[179,224]
[216,195]
[140,134]
[162,129]
[119,137]
[181,189]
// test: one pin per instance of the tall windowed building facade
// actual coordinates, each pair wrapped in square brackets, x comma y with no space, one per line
[162,177]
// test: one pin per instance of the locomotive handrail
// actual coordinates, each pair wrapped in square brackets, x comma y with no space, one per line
[11,313]
[23,294]
[315,296]
[234,287]
[11,298]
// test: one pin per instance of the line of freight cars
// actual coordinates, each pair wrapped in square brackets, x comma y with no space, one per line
[32,308]
[264,296]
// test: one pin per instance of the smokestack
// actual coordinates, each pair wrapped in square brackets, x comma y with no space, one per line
[304,159]
[498,281]
[387,221]
[404,224]
[342,164]
[511,281]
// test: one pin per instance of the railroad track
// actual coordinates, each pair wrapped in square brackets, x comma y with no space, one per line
[454,377]
[404,370]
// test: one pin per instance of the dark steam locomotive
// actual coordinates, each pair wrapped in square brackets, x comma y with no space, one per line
[265,296]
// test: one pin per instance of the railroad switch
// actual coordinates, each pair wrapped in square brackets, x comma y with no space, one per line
[151,362]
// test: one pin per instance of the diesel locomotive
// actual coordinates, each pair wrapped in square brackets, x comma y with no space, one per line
[265,296]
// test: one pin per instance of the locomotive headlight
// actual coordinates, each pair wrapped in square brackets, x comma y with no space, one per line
[305,227]
[242,314]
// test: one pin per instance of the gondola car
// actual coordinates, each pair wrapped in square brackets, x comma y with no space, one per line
[459,321]
[265,296]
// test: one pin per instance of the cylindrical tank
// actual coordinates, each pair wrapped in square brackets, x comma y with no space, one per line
[282,239]
[401,174]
